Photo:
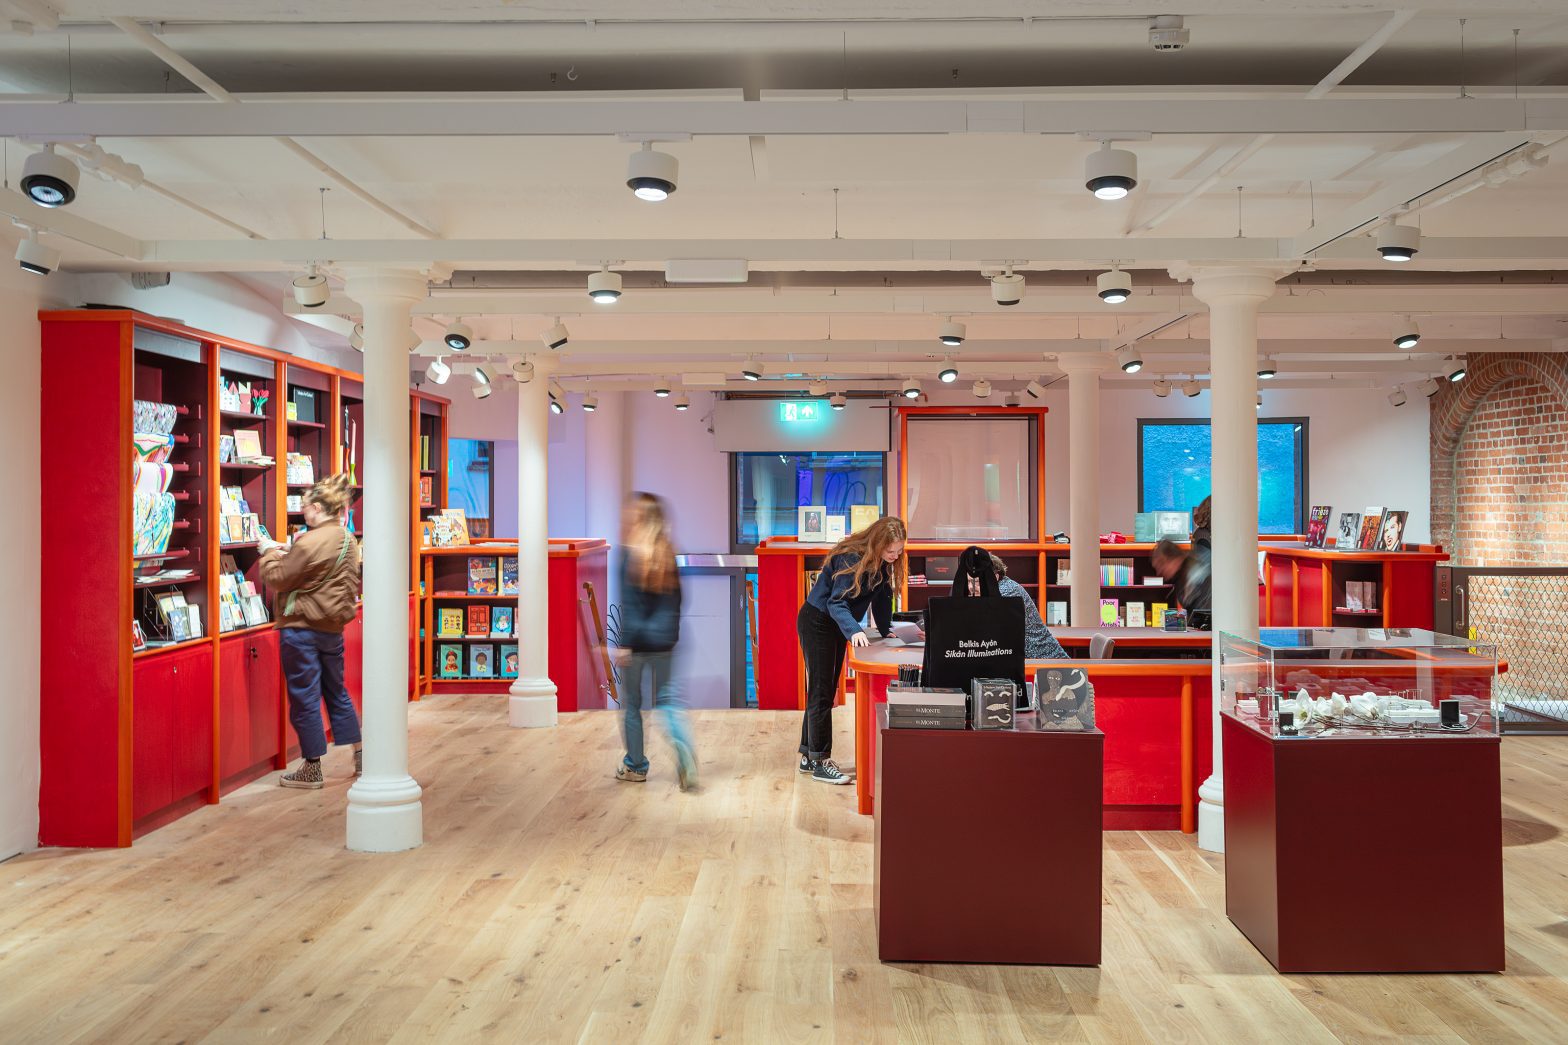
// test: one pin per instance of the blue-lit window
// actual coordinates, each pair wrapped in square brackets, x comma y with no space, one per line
[469,482]
[768,487]
[1174,469]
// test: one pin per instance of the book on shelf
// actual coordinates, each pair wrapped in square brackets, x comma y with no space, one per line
[1135,615]
[482,575]
[247,447]
[1371,526]
[449,661]
[226,451]
[1317,525]
[811,526]
[1155,582]
[1110,613]
[862,515]
[1157,614]
[301,470]
[835,529]
[1349,531]
[508,661]
[1116,572]
[508,575]
[294,502]
[424,453]
[500,622]
[303,402]
[1056,614]
[1064,573]
[427,491]
[481,661]
[1148,527]
[449,528]
[449,622]
[1392,536]
[291,410]
[478,622]
[138,637]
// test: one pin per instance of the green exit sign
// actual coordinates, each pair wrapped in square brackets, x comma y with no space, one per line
[799,413]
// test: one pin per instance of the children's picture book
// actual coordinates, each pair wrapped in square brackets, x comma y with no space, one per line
[479,622]
[500,622]
[449,622]
[481,575]
[508,575]
[1317,525]
[1110,613]
[811,523]
[481,662]
[862,515]
[449,528]
[247,444]
[1349,530]
[509,662]
[1371,526]
[1135,615]
[426,491]
[1392,537]
[449,661]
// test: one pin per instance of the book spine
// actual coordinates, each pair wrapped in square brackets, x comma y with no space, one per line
[910,722]
[924,711]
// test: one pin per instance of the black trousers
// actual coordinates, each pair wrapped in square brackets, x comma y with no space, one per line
[822,645]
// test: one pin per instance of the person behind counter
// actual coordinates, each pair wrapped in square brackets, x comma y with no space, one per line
[862,572]
[1039,643]
[1200,524]
[1187,571]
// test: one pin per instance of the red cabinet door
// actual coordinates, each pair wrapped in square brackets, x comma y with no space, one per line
[171,729]
[248,703]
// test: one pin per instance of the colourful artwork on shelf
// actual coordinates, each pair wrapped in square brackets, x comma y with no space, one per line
[449,661]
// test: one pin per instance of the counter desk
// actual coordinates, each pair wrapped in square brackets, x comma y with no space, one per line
[1155,715]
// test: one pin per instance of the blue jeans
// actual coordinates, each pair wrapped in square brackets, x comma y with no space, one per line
[657,669]
[313,666]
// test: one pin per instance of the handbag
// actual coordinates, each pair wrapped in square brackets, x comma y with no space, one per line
[973,636]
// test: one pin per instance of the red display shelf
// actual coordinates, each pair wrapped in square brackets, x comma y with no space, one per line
[245,415]
[458,596]
[165,582]
[172,553]
[153,651]
[307,424]
[243,466]
[239,546]
[473,638]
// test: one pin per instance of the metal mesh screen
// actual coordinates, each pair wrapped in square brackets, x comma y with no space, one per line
[1526,616]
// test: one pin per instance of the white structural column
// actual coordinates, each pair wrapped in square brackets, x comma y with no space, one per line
[1233,295]
[533,700]
[384,811]
[1083,482]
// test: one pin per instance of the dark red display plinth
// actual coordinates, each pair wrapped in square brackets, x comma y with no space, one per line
[1365,855]
[988,845]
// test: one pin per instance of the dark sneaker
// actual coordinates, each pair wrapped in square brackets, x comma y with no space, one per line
[828,772]
[359,762]
[625,772]
[806,764]
[308,775]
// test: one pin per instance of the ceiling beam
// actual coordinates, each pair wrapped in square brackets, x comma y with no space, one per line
[168,116]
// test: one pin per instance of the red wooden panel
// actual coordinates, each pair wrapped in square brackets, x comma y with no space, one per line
[1310,597]
[172,734]
[266,699]
[234,722]
[84,651]
[566,622]
[1412,594]
[1278,592]
[591,567]
[353,660]
[1141,720]
[249,712]
[779,595]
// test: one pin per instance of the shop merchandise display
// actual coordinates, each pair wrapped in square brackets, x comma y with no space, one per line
[1317,525]
[1371,527]
[1063,700]
[482,575]
[508,575]
[1392,535]
[1349,531]
[834,531]
[478,622]
[992,702]
[915,707]
[812,523]
[481,662]
[449,661]
[862,515]
[508,656]
[450,622]
[500,622]
[301,470]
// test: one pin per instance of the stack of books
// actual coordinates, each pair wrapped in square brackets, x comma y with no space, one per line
[925,708]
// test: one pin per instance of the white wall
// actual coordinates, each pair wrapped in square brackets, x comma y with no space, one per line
[19,566]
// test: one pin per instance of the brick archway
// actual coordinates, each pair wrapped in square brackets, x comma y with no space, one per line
[1499,462]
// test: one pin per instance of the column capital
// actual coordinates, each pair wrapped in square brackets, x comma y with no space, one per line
[364,283]
[1219,282]
[1073,363]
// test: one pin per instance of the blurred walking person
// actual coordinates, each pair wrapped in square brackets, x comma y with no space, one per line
[649,629]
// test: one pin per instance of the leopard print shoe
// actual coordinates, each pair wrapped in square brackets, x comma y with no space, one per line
[308,775]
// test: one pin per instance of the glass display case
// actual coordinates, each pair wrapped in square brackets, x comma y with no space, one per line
[1352,683]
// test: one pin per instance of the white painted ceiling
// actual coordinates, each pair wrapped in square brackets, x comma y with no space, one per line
[918,207]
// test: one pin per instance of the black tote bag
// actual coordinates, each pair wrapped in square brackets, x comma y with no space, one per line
[972,637]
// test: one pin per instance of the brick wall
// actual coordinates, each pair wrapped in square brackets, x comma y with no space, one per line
[1499,443]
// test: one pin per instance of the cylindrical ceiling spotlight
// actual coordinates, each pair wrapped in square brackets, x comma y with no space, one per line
[1007,289]
[1034,389]
[949,373]
[1406,333]
[604,286]
[1457,370]
[952,334]
[1396,242]
[1267,368]
[1398,397]
[651,175]
[1114,287]
[751,373]
[459,336]
[590,403]
[556,336]
[1012,399]
[817,388]
[438,371]
[1429,387]
[1190,388]
[1130,359]
[49,179]
[523,371]
[482,381]
[911,389]
[838,401]
[1110,173]
[556,406]
[36,258]
[1260,401]
[682,403]
[982,389]
[1162,388]
[356,337]
[310,290]
[662,389]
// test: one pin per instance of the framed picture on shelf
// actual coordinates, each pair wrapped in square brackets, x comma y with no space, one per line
[812,523]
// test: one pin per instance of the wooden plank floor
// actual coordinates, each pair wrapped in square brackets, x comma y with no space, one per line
[551,903]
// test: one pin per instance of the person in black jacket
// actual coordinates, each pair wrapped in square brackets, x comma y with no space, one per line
[862,572]
[649,628]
